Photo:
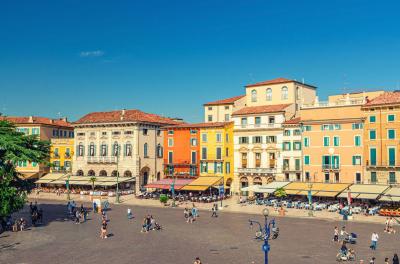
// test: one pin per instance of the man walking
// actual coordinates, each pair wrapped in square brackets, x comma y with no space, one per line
[374,240]
[214,210]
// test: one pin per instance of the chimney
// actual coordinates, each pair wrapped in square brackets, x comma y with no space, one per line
[64,119]
[30,119]
[122,114]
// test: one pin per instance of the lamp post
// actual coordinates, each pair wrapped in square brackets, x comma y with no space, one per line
[309,196]
[116,149]
[67,184]
[173,191]
[265,233]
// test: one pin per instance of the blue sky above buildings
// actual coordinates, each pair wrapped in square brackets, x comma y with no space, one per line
[170,57]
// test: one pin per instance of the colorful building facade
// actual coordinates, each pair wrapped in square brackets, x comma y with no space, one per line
[61,153]
[45,129]
[292,150]
[381,139]
[221,110]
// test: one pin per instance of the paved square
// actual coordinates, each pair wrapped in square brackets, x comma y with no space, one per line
[226,239]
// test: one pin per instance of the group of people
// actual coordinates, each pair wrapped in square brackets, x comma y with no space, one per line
[192,214]
[150,223]
[36,214]
[78,214]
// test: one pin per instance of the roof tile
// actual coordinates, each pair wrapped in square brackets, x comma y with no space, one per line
[384,99]
[36,120]
[231,100]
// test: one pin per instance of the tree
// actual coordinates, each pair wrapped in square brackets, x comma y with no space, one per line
[17,147]
[280,193]
[92,180]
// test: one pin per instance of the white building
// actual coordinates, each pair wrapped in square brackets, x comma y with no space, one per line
[129,142]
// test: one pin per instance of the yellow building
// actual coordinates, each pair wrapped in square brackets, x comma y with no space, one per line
[45,129]
[62,151]
[381,139]
[216,151]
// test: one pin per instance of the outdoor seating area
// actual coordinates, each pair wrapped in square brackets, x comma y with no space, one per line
[185,196]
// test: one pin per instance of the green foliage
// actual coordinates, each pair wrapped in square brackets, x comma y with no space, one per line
[280,192]
[163,198]
[93,179]
[16,146]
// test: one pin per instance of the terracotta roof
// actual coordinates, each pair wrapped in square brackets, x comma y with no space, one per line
[231,100]
[293,121]
[385,99]
[275,81]
[200,125]
[132,115]
[261,109]
[36,120]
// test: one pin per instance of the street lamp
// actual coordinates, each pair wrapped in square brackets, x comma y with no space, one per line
[265,233]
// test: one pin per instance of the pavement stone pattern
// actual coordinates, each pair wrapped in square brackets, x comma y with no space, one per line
[226,239]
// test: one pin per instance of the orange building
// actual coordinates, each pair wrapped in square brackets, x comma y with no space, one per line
[182,150]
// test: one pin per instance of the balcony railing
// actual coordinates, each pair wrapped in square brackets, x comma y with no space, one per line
[264,125]
[289,168]
[330,167]
[256,170]
[101,159]
[379,164]
[348,101]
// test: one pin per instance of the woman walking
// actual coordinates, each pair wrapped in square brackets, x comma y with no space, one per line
[395,259]
[103,231]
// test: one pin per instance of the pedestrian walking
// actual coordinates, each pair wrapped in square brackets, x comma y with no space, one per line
[372,261]
[336,234]
[386,261]
[374,241]
[391,224]
[186,213]
[103,230]
[343,234]
[214,210]
[129,213]
[144,225]
[152,222]
[197,261]
[94,207]
[386,225]
[77,217]
[395,259]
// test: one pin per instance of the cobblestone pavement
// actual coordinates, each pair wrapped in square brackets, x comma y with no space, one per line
[226,239]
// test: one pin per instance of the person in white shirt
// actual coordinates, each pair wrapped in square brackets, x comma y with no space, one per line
[374,240]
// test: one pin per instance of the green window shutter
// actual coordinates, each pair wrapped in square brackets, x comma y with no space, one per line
[392,156]
[372,156]
[354,160]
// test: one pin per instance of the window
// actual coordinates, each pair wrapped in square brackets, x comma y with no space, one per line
[158,132]
[116,149]
[306,128]
[243,140]
[227,117]
[257,121]
[210,108]
[243,122]
[357,141]
[326,141]
[170,132]
[145,150]
[71,134]
[128,132]
[286,145]
[226,138]
[79,134]
[128,149]
[170,142]
[227,167]
[103,149]
[226,152]
[159,151]
[254,96]
[372,156]
[271,120]
[56,152]
[284,93]
[210,118]
[219,153]
[392,177]
[271,139]
[372,134]
[104,133]
[337,126]
[204,167]
[307,160]
[219,137]
[372,119]
[358,177]
[356,126]
[357,160]
[114,133]
[307,176]
[297,93]
[286,133]
[373,176]
[392,156]
[193,142]
[296,145]
[80,150]
[325,127]
[35,131]
[269,94]
[336,141]
[306,142]
[391,134]
[92,150]
[194,157]
[204,137]
[297,164]
[257,140]
[390,118]
[145,131]
[92,134]
[226,107]
[297,132]
[34,164]
[204,153]
[170,157]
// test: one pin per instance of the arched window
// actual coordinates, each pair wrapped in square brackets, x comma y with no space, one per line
[254,96]
[116,149]
[103,173]
[128,149]
[114,173]
[145,150]
[284,93]
[80,150]
[127,174]
[91,173]
[79,173]
[103,149]
[159,151]
[269,94]
[92,150]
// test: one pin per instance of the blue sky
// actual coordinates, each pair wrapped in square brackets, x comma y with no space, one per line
[170,57]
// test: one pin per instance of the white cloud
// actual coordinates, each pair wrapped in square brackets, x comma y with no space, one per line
[93,53]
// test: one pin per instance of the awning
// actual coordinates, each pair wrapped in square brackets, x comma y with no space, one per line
[317,189]
[50,177]
[202,183]
[364,191]
[391,195]
[28,175]
[252,188]
[85,180]
[270,187]
[166,184]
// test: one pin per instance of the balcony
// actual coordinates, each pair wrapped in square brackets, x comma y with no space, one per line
[256,171]
[347,101]
[330,167]
[287,168]
[258,126]
[384,164]
[102,160]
